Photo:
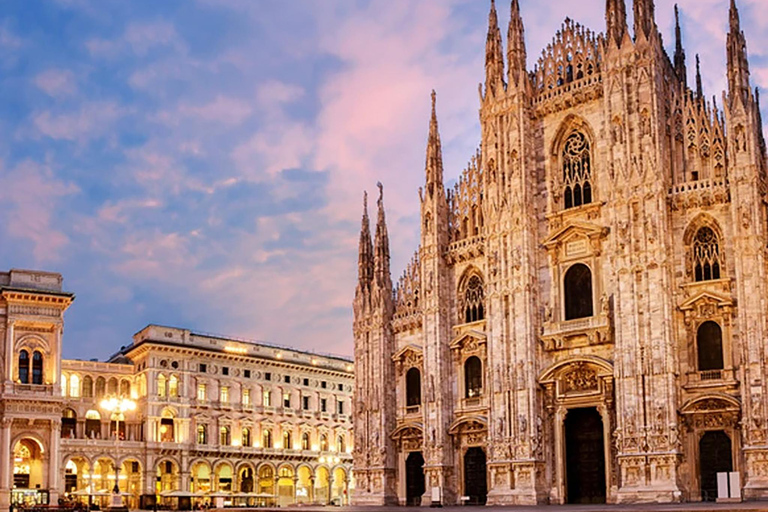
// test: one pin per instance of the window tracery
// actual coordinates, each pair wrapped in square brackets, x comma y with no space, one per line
[706,255]
[473,300]
[577,171]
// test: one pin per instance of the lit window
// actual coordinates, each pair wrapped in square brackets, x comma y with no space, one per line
[267,398]
[161,389]
[201,392]
[287,400]
[224,436]
[287,440]
[266,438]
[74,386]
[246,436]
[224,394]
[202,434]
[173,386]
[305,441]
[246,397]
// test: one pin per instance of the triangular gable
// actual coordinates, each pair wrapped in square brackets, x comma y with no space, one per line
[583,229]
[471,334]
[403,352]
[705,296]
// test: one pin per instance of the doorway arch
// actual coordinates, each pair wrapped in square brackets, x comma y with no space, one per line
[475,476]
[715,456]
[585,456]
[414,479]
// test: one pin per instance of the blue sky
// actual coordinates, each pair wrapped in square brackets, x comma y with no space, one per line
[201,163]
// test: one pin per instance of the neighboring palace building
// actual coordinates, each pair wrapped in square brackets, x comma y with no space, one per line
[585,317]
[215,417]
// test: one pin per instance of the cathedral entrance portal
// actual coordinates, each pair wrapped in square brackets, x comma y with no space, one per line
[475,476]
[414,478]
[714,457]
[585,456]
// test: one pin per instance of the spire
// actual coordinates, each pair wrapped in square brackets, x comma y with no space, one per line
[616,20]
[645,17]
[494,60]
[699,89]
[760,132]
[738,65]
[516,55]
[682,72]
[434,164]
[365,253]
[381,247]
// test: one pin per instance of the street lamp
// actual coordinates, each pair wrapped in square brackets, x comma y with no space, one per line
[117,406]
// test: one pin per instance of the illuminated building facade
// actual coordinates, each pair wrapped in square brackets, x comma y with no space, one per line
[215,418]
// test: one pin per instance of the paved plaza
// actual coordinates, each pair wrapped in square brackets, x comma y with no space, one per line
[681,507]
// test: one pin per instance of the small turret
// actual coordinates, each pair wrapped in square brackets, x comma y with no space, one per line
[434,164]
[516,54]
[645,17]
[680,69]
[365,253]
[699,88]
[738,65]
[616,20]
[494,59]
[382,277]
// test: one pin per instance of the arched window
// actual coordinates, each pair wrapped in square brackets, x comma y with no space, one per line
[24,367]
[92,424]
[87,387]
[305,441]
[112,387]
[473,300]
[68,424]
[706,255]
[202,434]
[37,368]
[577,171]
[74,386]
[224,436]
[63,385]
[245,436]
[709,345]
[125,388]
[266,438]
[578,292]
[173,386]
[341,443]
[413,387]
[101,386]
[161,388]
[323,443]
[287,440]
[473,377]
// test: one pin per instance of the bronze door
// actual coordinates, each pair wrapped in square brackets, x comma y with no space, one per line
[475,476]
[585,456]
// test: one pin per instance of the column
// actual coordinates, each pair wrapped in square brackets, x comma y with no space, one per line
[8,379]
[54,462]
[311,489]
[557,492]
[5,463]
[295,488]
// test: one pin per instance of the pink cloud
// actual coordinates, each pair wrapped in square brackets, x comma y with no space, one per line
[91,120]
[56,82]
[31,192]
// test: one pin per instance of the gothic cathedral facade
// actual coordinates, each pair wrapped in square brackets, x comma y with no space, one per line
[585,317]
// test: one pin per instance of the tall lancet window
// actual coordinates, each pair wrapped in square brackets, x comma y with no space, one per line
[473,300]
[577,171]
[706,255]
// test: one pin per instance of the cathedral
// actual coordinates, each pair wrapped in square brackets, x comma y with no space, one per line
[584,320]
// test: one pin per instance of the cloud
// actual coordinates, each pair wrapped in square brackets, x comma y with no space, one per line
[138,38]
[29,195]
[229,111]
[56,82]
[91,120]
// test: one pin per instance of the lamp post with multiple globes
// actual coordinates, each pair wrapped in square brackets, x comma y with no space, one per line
[117,407]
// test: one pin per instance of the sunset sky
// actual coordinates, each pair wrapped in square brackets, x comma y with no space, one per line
[201,164]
